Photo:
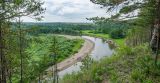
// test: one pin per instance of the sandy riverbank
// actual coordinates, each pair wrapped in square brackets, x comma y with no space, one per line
[82,53]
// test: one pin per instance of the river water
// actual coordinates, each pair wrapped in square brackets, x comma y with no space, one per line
[101,49]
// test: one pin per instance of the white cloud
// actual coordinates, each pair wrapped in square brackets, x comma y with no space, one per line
[70,10]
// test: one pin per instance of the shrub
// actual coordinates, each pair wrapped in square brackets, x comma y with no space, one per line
[117,34]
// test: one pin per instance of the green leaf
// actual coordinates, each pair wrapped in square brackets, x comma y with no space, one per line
[17,2]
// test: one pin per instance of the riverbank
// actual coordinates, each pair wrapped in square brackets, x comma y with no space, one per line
[82,53]
[119,42]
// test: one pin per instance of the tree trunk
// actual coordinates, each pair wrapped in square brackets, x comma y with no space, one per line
[1,53]
[3,73]
[156,32]
[21,49]
[158,26]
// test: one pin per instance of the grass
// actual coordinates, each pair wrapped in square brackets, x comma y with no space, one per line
[78,45]
[119,42]
[128,65]
[90,33]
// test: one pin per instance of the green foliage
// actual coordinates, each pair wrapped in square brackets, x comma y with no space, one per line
[86,63]
[13,60]
[143,25]
[109,29]
[17,2]
[128,9]
[58,28]
[135,65]
[78,45]
[107,26]
[17,8]
[39,54]
[127,65]
[117,34]
[136,75]
[91,33]
[108,2]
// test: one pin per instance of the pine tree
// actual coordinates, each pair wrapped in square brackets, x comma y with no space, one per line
[9,11]
[54,53]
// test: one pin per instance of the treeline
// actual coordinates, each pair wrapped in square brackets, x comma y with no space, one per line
[58,28]
[116,29]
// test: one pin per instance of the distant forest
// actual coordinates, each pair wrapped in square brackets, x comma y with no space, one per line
[57,28]
[114,28]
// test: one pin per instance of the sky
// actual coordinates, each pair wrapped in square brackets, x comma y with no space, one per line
[70,11]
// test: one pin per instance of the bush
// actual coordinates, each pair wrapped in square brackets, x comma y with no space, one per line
[117,34]
[136,75]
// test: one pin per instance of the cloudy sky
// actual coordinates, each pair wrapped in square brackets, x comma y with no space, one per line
[70,11]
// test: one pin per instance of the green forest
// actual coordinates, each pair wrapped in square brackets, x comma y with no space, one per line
[41,51]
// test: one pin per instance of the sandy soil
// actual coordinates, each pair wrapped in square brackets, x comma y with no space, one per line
[70,37]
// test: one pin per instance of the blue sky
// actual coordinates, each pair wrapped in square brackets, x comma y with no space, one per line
[70,11]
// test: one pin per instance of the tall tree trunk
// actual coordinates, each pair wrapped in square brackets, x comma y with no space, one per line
[10,73]
[20,50]
[2,56]
[55,80]
[39,79]
[158,26]
[1,65]
[3,73]
[156,32]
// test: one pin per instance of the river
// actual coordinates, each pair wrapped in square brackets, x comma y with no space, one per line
[101,49]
